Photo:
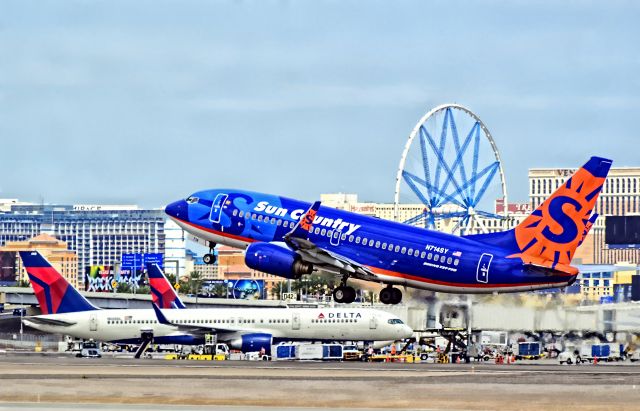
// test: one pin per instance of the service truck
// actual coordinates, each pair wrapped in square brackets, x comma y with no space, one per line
[602,351]
[529,351]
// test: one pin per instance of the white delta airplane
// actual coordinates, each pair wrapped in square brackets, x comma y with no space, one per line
[66,311]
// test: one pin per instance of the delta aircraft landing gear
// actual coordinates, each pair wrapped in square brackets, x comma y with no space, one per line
[210,258]
[390,295]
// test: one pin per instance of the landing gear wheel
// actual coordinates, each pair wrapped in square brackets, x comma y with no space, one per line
[396,295]
[390,295]
[209,259]
[344,294]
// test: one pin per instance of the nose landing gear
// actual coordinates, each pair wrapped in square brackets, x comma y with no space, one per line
[210,258]
[390,295]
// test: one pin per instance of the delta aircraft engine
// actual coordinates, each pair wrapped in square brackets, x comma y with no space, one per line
[252,342]
[276,259]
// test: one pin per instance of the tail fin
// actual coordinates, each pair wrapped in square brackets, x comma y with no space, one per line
[551,234]
[55,295]
[162,291]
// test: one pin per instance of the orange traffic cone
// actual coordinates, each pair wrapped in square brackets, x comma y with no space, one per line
[458,359]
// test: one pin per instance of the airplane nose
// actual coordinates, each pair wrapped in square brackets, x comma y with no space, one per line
[407,331]
[177,209]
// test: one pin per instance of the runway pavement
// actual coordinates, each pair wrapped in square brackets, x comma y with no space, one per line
[121,382]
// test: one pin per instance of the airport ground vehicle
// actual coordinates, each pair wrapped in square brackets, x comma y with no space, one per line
[20,312]
[570,357]
[351,353]
[634,356]
[529,351]
[308,351]
[89,349]
[603,352]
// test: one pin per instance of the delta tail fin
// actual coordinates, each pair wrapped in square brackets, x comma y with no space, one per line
[550,236]
[162,292]
[54,293]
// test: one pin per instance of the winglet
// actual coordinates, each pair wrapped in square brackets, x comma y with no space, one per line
[160,316]
[301,230]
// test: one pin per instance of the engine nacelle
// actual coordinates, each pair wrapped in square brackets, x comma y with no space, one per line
[274,259]
[252,342]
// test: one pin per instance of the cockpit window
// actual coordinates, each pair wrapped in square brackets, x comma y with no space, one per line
[192,200]
[395,321]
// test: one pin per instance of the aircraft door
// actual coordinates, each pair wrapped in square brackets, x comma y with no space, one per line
[373,322]
[295,321]
[335,238]
[93,322]
[216,207]
[482,273]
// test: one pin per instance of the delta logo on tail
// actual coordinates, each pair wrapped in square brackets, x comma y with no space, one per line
[162,293]
[54,293]
[552,233]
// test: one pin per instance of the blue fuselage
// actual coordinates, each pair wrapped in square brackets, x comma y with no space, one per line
[397,253]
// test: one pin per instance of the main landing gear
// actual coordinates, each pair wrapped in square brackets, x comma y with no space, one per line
[344,294]
[210,258]
[390,295]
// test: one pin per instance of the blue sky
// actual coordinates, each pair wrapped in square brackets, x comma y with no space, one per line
[147,101]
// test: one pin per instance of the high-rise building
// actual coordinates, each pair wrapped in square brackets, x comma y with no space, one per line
[99,234]
[620,196]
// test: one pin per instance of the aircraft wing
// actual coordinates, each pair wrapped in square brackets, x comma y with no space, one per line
[298,239]
[188,328]
[49,321]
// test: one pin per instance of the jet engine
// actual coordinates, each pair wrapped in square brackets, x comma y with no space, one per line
[277,260]
[252,342]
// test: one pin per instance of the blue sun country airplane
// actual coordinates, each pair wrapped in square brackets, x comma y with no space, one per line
[66,311]
[291,238]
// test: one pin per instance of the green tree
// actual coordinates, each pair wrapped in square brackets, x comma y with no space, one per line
[123,287]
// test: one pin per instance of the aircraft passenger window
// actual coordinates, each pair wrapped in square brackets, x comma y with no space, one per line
[416,253]
[370,243]
[377,244]
[403,250]
[343,237]
[384,246]
[336,234]
[397,248]
[357,240]
[351,238]
[410,251]
[429,256]
[235,212]
[273,220]
[449,260]
[279,222]
[260,217]
[329,233]
[423,254]
[365,241]
[323,232]
[241,213]
[456,262]
[442,258]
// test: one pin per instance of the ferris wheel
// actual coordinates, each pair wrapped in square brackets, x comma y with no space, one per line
[451,166]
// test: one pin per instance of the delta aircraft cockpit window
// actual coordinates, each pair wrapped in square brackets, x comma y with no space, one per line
[395,321]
